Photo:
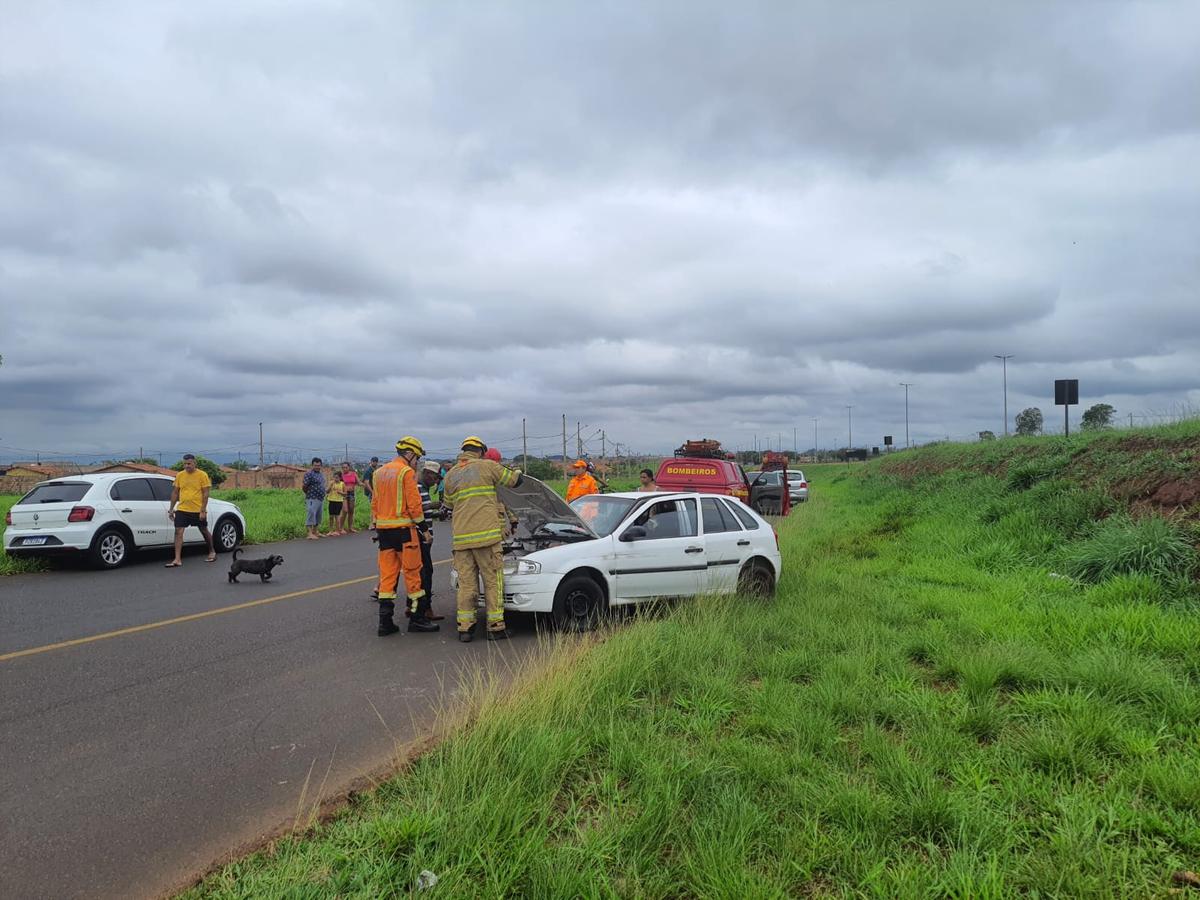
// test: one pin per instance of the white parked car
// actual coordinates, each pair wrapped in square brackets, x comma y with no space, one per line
[604,550]
[108,516]
[797,486]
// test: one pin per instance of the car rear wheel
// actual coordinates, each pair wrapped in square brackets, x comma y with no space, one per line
[578,604]
[757,581]
[227,535]
[110,549]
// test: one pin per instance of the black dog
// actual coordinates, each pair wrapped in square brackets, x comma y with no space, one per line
[260,567]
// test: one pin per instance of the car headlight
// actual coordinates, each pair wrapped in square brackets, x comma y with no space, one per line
[522,567]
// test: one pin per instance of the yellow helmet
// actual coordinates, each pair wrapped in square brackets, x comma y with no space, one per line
[411,444]
[473,443]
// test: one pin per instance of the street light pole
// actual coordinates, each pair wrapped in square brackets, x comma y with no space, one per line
[850,427]
[906,385]
[1004,361]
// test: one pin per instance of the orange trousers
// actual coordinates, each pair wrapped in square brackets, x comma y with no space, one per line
[400,552]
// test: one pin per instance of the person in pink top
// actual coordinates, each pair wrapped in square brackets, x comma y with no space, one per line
[350,479]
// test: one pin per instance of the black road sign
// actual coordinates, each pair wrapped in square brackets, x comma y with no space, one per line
[1066,392]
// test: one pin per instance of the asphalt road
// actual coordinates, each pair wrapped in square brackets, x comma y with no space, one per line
[134,757]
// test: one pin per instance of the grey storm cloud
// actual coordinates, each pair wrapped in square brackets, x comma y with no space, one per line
[352,221]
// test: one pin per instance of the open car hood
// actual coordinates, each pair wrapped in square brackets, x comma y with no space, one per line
[540,509]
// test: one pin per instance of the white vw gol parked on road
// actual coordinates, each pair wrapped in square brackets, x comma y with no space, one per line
[574,561]
[108,516]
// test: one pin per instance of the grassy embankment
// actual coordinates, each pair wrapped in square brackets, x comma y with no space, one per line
[933,705]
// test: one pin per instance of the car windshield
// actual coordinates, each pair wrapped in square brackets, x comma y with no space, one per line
[602,513]
[57,492]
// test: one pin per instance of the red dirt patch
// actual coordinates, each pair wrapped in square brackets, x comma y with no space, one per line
[1177,493]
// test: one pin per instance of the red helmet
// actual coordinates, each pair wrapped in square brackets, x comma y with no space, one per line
[493,454]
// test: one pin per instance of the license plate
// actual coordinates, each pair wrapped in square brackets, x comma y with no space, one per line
[33,542]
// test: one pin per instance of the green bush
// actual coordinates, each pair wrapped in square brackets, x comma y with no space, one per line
[1120,546]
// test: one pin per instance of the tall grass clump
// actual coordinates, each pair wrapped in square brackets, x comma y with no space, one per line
[1119,545]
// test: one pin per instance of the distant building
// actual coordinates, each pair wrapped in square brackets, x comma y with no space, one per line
[18,478]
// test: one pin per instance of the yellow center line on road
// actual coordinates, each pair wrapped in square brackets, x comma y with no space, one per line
[121,632]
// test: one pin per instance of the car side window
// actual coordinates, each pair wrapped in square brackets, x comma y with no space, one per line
[669,519]
[716,520]
[162,488]
[743,516]
[131,489]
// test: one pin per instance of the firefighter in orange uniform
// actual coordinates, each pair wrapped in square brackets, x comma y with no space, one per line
[399,519]
[583,483]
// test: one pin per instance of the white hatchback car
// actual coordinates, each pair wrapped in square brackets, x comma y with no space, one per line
[108,516]
[575,561]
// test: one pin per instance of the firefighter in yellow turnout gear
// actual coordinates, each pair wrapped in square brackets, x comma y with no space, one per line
[470,490]
[399,519]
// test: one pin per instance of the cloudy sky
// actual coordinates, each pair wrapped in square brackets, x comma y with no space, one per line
[355,220]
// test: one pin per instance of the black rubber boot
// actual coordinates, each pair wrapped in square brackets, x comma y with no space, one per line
[387,609]
[467,636]
[501,635]
[420,623]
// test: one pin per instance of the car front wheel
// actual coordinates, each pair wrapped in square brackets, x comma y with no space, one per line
[110,549]
[578,604]
[227,536]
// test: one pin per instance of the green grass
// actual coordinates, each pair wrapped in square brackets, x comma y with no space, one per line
[904,720]
[274,515]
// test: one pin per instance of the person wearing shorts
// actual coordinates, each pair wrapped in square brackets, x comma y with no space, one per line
[189,506]
[337,505]
[314,498]
[350,479]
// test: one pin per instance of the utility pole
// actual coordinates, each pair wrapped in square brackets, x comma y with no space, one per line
[815,456]
[578,441]
[524,449]
[1004,361]
[850,427]
[260,446]
[347,456]
[795,446]
[564,456]
[907,385]
[141,453]
[603,444]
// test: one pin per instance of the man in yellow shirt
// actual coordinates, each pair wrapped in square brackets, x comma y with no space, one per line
[189,506]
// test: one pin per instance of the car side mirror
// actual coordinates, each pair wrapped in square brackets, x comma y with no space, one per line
[633,533]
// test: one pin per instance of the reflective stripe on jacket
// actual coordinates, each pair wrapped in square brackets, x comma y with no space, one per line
[470,490]
[395,500]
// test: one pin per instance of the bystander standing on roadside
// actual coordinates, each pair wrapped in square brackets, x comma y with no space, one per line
[314,498]
[368,486]
[189,506]
[350,479]
[336,495]
[648,486]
